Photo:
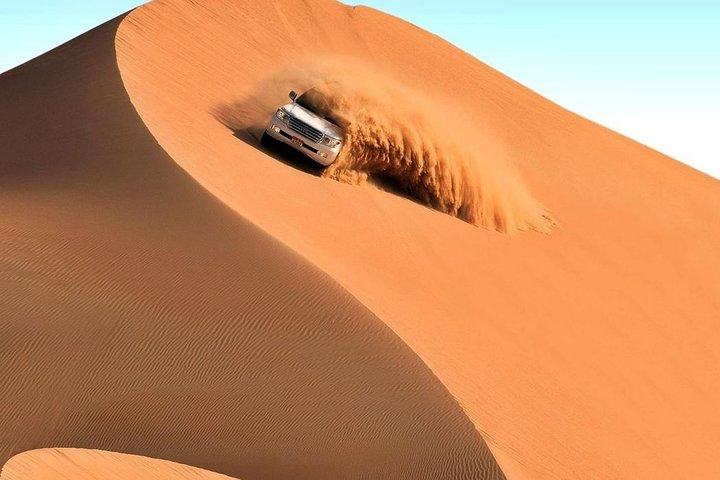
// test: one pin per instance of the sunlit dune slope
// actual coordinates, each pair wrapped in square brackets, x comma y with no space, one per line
[78,464]
[586,353]
[139,314]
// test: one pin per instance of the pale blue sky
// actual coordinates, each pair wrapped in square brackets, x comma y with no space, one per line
[647,68]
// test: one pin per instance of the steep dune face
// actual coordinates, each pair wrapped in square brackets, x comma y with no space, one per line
[586,353]
[139,314]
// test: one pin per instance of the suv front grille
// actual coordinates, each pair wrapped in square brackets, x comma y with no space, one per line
[305,130]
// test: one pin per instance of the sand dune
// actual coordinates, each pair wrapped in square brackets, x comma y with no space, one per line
[141,315]
[77,464]
[332,329]
[573,353]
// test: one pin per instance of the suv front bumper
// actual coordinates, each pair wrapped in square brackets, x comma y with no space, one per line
[322,154]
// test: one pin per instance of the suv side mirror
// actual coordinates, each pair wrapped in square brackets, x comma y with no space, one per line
[293,95]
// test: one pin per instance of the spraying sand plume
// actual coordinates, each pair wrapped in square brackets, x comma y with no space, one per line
[395,135]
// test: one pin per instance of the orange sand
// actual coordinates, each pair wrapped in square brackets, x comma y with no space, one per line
[165,324]
[77,464]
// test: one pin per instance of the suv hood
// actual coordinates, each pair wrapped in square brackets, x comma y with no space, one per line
[314,120]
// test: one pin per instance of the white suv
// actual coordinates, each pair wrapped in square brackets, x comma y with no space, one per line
[303,124]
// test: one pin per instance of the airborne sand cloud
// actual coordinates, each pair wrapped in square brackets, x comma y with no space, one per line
[395,134]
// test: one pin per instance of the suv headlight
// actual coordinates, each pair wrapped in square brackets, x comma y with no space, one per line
[330,141]
[281,114]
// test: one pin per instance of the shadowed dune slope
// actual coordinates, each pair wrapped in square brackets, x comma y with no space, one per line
[587,353]
[79,464]
[139,314]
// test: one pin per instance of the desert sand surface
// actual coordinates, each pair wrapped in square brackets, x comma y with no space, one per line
[176,291]
[141,315]
[79,464]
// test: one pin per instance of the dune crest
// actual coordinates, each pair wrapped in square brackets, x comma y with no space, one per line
[82,464]
[397,135]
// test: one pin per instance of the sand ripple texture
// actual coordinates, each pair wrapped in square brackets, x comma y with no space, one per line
[485,285]
[139,314]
